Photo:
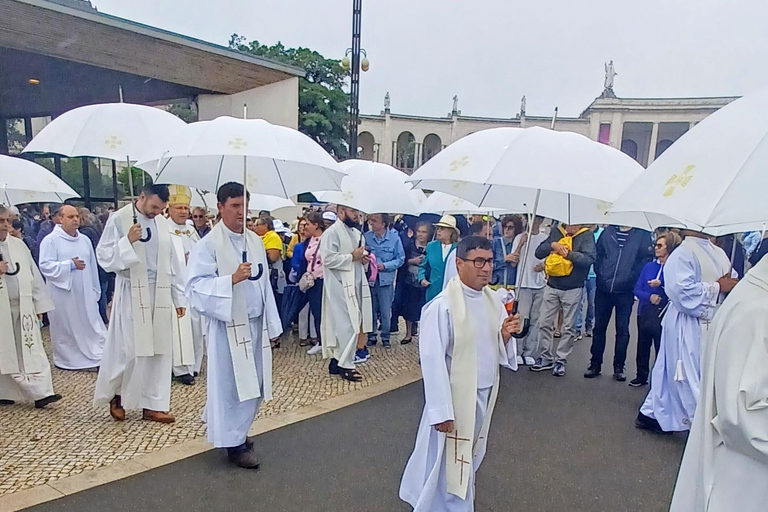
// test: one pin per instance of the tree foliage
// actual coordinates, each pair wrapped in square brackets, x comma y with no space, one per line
[323,103]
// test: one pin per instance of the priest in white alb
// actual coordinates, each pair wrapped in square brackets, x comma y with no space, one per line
[725,466]
[228,284]
[696,276]
[25,373]
[68,263]
[347,311]
[137,363]
[465,334]
[188,344]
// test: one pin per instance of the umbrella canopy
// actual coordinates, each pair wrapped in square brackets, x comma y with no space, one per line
[22,181]
[446,204]
[715,176]
[372,187]
[576,179]
[257,202]
[116,131]
[278,161]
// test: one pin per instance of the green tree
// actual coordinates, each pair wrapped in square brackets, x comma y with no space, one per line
[184,111]
[138,176]
[323,103]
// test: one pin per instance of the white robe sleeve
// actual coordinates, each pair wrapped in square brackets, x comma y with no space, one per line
[58,273]
[92,267]
[40,297]
[684,289]
[434,344]
[115,252]
[742,389]
[329,253]
[207,293]
[177,280]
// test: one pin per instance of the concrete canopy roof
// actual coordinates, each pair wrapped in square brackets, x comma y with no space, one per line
[81,57]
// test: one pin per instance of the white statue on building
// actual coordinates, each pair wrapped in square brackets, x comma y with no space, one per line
[523,102]
[455,105]
[387,102]
[610,74]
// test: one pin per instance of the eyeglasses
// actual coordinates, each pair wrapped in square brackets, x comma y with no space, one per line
[510,226]
[198,216]
[660,246]
[481,262]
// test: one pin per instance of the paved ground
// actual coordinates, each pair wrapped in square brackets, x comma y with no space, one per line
[556,444]
[43,445]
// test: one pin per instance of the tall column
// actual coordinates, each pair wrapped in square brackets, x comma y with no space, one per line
[354,90]
[654,142]
[617,130]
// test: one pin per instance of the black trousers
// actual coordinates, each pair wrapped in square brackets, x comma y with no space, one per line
[605,303]
[315,299]
[648,333]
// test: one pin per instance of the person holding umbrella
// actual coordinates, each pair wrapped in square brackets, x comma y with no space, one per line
[242,318]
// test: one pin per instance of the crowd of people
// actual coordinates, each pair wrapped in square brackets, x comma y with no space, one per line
[139,293]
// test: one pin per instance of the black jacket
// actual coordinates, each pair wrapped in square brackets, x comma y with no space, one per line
[617,269]
[582,256]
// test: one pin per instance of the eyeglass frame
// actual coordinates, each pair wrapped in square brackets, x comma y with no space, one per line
[484,262]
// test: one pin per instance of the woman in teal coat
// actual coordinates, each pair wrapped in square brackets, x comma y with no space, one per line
[432,268]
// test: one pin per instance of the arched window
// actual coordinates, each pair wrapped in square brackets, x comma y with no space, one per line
[629,147]
[432,146]
[406,148]
[366,143]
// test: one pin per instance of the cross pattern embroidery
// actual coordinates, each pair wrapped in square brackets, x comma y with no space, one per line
[462,462]
[348,195]
[143,308]
[680,180]
[238,341]
[113,142]
[456,440]
[459,163]
[238,143]
[28,335]
[163,289]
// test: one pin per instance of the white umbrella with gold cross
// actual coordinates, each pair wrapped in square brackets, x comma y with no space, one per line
[714,177]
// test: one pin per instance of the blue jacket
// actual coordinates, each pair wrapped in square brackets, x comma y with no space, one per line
[500,267]
[433,268]
[389,252]
[298,261]
[643,290]
[617,268]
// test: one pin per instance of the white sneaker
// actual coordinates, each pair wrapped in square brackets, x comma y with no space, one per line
[315,350]
[529,361]
[520,360]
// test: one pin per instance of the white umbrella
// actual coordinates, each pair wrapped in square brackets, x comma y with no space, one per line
[116,131]
[372,187]
[446,204]
[22,181]
[560,175]
[274,160]
[715,176]
[257,202]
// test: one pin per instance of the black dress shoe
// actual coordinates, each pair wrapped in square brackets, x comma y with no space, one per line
[638,382]
[7,402]
[333,367]
[619,376]
[186,379]
[243,457]
[39,404]
[592,372]
[644,422]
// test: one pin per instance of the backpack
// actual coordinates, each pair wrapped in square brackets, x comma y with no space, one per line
[556,265]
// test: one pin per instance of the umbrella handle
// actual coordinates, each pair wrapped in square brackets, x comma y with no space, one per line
[9,273]
[260,266]
[526,324]
[148,238]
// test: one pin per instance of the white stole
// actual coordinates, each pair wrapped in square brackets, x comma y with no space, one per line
[31,339]
[460,453]
[239,328]
[152,329]
[183,341]
[346,246]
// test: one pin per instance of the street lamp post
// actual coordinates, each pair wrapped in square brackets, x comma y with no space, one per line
[354,66]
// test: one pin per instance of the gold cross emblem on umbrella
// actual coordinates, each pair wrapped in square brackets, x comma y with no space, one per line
[113,142]
[459,163]
[680,180]
[238,143]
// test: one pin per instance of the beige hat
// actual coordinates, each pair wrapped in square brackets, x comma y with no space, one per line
[179,194]
[447,221]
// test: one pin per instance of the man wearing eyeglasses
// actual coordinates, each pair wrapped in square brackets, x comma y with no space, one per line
[200,221]
[465,335]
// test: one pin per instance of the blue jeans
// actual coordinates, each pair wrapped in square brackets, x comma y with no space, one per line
[605,303]
[589,293]
[381,299]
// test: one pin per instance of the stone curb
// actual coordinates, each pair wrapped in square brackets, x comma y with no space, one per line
[122,469]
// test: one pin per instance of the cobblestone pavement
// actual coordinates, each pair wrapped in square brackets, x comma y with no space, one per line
[42,445]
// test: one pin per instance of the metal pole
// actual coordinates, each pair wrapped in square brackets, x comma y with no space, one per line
[354,90]
[554,120]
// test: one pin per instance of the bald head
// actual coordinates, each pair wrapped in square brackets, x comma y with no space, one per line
[70,219]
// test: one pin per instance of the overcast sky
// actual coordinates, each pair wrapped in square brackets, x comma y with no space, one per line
[491,52]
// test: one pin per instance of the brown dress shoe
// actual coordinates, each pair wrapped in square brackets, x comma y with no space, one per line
[158,416]
[116,409]
[243,457]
